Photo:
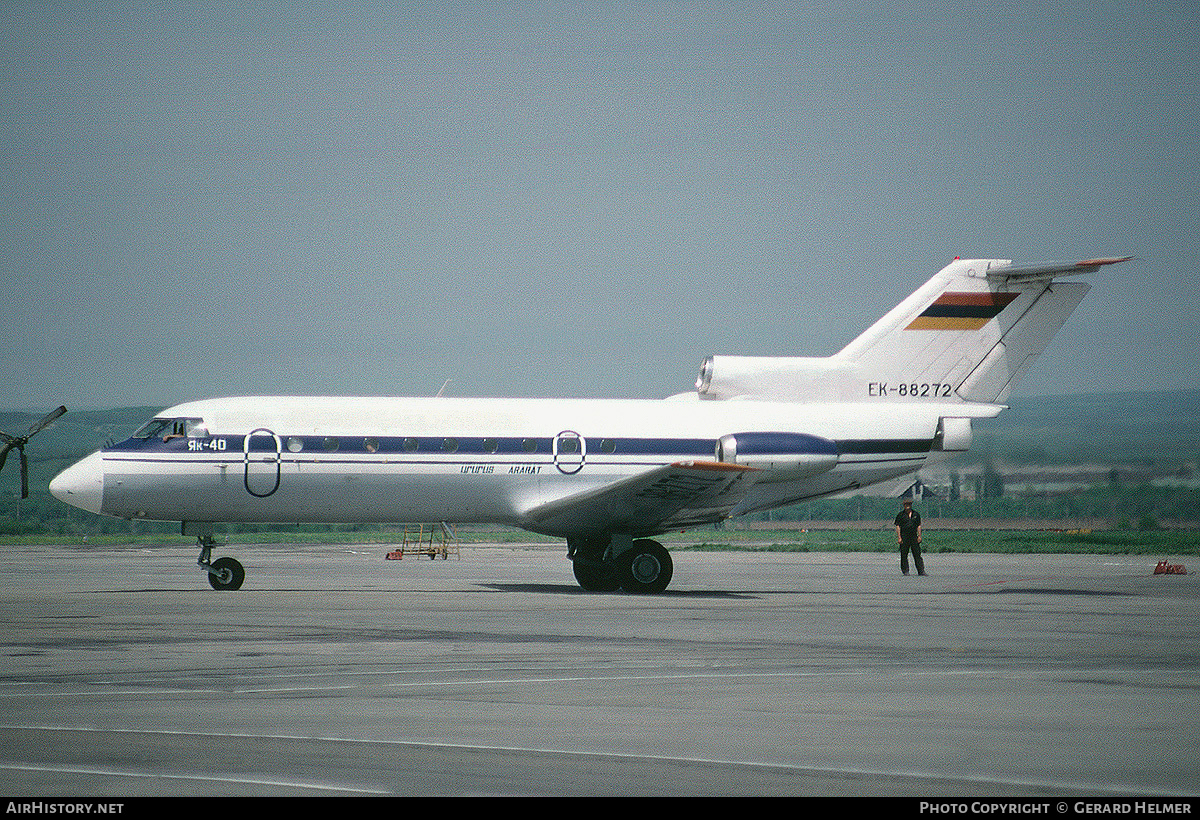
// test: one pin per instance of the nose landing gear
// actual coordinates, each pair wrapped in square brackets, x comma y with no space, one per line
[225,572]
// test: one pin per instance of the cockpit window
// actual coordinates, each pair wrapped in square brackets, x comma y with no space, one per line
[152,428]
[195,428]
[172,428]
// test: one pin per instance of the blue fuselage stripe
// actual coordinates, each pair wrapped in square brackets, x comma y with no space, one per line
[262,442]
[327,448]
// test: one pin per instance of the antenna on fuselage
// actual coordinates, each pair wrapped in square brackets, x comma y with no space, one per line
[19,442]
[442,392]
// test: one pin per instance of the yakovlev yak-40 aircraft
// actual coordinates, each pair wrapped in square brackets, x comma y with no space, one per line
[606,475]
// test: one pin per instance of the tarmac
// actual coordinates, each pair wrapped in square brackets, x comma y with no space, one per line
[336,672]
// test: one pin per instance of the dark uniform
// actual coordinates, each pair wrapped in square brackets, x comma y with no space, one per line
[908,529]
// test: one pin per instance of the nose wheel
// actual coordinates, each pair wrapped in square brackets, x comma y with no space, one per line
[225,572]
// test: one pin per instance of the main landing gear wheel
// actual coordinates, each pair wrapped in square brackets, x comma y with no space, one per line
[595,576]
[226,573]
[646,568]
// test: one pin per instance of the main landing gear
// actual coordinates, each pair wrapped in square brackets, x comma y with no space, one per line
[225,572]
[605,565]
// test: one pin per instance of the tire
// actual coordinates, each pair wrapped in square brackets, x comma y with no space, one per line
[646,568]
[229,574]
[595,576]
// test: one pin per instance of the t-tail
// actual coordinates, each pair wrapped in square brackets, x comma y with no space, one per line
[968,334]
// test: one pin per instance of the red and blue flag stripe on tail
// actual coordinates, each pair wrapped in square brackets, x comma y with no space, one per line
[962,311]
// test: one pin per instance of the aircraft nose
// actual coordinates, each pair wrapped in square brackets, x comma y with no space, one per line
[82,484]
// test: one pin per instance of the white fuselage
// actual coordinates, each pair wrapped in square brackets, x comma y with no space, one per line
[759,432]
[324,459]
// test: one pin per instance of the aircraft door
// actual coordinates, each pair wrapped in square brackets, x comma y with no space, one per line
[569,452]
[261,455]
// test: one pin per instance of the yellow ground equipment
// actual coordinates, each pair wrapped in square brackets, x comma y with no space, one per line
[433,540]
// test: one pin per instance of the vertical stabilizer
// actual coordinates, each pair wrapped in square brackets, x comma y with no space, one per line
[971,331]
[967,334]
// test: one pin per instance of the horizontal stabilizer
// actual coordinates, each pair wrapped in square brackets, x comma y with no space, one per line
[1048,270]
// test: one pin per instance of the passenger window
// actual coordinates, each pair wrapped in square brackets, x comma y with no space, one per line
[608,446]
[410,445]
[529,445]
[370,444]
[568,445]
[450,445]
[490,445]
[331,444]
[295,445]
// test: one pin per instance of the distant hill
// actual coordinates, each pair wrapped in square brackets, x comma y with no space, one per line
[73,436]
[1159,427]
[1129,460]
[77,433]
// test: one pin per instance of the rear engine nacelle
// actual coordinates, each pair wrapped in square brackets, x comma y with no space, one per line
[798,455]
[775,378]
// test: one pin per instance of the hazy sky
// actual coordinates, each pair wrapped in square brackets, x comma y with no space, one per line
[578,199]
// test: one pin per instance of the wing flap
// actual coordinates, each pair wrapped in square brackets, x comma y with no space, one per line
[683,494]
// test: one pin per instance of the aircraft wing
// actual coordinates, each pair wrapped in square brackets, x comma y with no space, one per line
[683,494]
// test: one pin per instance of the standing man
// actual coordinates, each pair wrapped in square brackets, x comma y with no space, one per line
[908,535]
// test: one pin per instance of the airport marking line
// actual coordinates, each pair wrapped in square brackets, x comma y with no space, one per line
[1082,788]
[209,777]
[467,681]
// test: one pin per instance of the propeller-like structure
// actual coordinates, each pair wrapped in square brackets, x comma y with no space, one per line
[18,443]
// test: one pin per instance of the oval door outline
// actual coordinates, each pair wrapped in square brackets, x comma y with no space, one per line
[261,478]
[569,458]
